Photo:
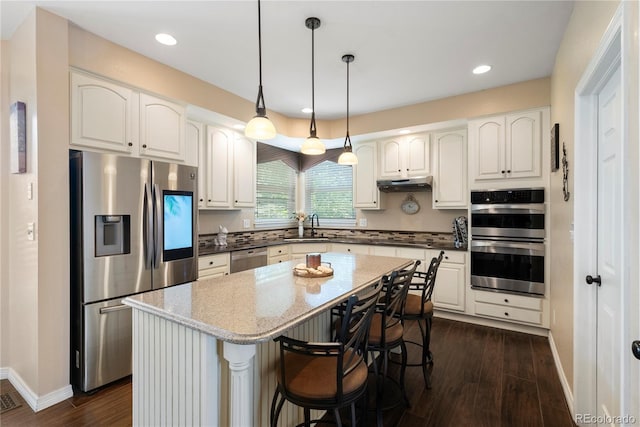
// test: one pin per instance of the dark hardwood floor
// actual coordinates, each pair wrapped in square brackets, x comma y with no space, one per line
[481,377]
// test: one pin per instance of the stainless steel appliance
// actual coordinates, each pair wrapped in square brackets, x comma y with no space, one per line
[507,240]
[248,259]
[133,229]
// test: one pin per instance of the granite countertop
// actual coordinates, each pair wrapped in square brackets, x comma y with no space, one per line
[211,249]
[257,305]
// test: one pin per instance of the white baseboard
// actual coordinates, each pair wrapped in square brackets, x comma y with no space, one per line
[563,378]
[483,321]
[37,403]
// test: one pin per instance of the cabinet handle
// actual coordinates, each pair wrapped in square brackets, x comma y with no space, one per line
[130,144]
[399,170]
[445,257]
[374,202]
[209,199]
[508,170]
[506,314]
[202,200]
[506,300]
[436,200]
[348,249]
[236,201]
[210,262]
[144,145]
[502,171]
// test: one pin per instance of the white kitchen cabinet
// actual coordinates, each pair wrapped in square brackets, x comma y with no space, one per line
[103,114]
[405,156]
[299,250]
[109,117]
[244,172]
[215,265]
[365,190]
[162,128]
[509,307]
[450,185]
[508,147]
[449,290]
[350,248]
[228,170]
[277,254]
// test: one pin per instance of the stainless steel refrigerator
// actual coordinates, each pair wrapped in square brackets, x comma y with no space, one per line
[133,229]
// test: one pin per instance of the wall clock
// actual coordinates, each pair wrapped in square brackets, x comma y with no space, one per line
[410,205]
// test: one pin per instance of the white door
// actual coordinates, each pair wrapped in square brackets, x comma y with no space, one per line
[609,343]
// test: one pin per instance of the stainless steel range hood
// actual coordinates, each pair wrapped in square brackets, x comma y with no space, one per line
[418,183]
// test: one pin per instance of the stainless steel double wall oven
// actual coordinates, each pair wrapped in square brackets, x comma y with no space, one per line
[507,240]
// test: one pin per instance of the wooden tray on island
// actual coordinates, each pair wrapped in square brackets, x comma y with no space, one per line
[311,272]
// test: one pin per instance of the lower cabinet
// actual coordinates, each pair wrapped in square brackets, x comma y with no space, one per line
[210,266]
[299,250]
[449,290]
[277,254]
[509,307]
[350,248]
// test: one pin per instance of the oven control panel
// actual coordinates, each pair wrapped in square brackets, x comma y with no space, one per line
[525,195]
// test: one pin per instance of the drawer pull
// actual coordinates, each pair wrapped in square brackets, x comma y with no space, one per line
[506,314]
[506,300]
[210,262]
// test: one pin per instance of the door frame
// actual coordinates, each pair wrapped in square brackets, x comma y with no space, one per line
[617,46]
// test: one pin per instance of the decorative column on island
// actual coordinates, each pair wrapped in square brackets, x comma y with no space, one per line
[203,352]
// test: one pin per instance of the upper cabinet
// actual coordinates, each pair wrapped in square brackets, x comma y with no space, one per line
[508,148]
[227,170]
[109,117]
[365,190]
[450,186]
[405,156]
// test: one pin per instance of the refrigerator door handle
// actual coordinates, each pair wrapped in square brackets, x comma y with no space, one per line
[157,230]
[148,235]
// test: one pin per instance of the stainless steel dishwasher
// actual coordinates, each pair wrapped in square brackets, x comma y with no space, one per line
[248,259]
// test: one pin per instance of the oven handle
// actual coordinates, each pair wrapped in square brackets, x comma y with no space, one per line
[515,248]
[508,209]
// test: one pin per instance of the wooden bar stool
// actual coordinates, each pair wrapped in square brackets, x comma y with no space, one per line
[420,309]
[327,376]
[386,332]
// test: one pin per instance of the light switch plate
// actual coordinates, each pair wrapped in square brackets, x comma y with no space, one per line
[246,223]
[363,222]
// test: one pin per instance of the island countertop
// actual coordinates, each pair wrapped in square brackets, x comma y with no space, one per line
[256,305]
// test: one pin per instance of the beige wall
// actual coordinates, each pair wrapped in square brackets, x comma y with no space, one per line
[36,334]
[586,26]
[4,205]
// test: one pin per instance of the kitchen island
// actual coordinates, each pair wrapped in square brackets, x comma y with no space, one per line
[203,352]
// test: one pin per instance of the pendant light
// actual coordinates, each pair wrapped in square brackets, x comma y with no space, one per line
[260,127]
[312,145]
[347,157]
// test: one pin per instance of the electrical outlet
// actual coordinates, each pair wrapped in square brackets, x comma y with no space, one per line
[31,231]
[363,222]
[246,223]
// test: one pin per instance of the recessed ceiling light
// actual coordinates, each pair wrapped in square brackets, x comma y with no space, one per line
[481,69]
[307,110]
[404,131]
[166,39]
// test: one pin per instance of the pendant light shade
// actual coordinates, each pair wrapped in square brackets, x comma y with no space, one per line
[312,145]
[347,157]
[260,127]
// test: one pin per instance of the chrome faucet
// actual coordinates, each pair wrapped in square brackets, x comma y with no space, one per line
[313,230]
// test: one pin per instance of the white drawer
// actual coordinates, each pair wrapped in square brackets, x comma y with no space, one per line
[458,257]
[509,300]
[509,313]
[213,261]
[278,259]
[278,250]
[306,248]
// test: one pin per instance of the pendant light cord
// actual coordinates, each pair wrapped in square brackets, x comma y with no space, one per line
[261,109]
[312,126]
[348,138]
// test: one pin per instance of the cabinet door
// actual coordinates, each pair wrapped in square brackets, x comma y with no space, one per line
[193,145]
[162,128]
[416,156]
[365,190]
[486,138]
[219,163]
[450,185]
[244,173]
[102,114]
[391,162]
[524,145]
[448,292]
